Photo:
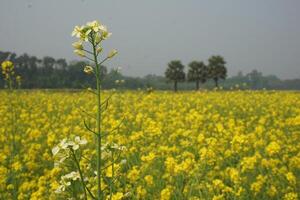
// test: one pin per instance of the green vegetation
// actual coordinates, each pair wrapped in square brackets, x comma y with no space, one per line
[58,73]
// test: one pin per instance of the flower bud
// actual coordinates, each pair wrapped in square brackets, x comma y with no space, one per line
[18,80]
[112,53]
[78,45]
[88,69]
[89,89]
[79,52]
[99,50]
[105,35]
[98,39]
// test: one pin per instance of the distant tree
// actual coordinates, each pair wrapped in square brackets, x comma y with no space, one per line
[255,79]
[13,57]
[293,84]
[103,72]
[155,82]
[240,74]
[61,63]
[175,72]
[4,56]
[57,73]
[23,61]
[48,63]
[198,72]
[217,69]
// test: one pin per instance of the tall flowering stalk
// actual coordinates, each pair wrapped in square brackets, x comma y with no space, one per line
[70,152]
[12,82]
[94,33]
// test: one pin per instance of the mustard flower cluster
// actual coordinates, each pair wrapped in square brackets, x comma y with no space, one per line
[93,32]
[8,71]
[204,145]
[7,68]
[62,150]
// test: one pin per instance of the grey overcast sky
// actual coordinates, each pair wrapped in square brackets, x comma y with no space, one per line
[250,34]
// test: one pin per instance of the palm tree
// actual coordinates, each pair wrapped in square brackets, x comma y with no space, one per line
[175,72]
[217,69]
[198,72]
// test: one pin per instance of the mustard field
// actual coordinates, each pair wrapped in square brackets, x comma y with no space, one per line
[187,145]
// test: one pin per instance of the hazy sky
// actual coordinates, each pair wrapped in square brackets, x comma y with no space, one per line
[252,34]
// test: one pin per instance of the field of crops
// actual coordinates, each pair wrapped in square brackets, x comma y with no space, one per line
[189,145]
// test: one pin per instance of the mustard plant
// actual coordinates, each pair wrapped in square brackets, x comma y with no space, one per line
[12,82]
[91,36]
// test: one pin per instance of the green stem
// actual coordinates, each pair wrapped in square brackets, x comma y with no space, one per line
[80,173]
[112,176]
[98,123]
[13,140]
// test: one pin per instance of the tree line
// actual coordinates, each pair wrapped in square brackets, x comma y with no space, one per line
[51,73]
[198,71]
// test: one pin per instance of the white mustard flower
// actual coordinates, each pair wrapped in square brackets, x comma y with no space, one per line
[123,162]
[64,144]
[103,28]
[55,150]
[77,31]
[78,142]
[94,25]
[72,175]
[104,33]
[63,185]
